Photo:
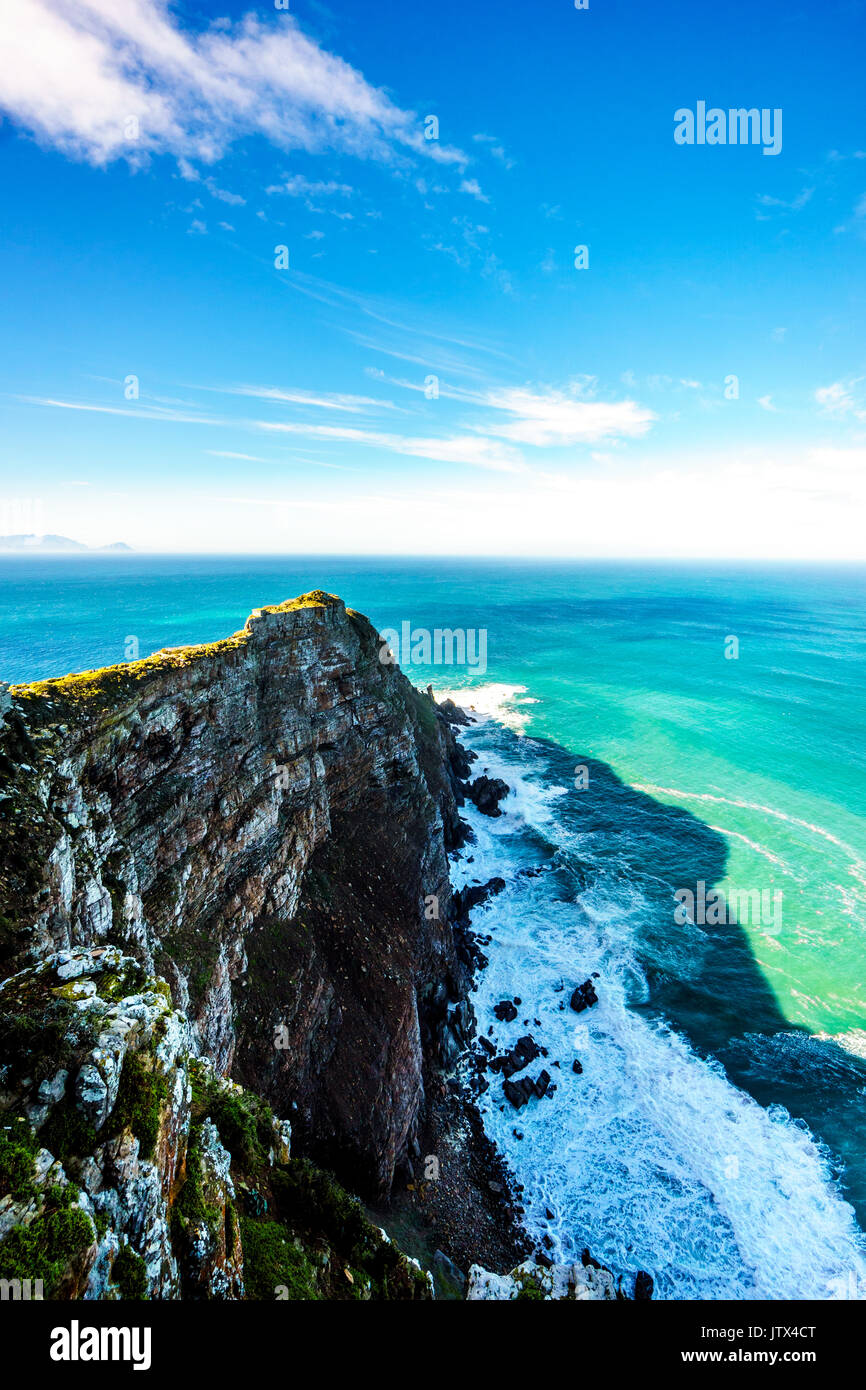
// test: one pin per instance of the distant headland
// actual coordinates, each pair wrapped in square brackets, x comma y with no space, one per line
[54,544]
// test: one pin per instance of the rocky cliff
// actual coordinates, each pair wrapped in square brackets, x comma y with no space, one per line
[226,861]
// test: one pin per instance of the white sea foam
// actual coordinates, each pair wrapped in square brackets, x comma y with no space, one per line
[853,1041]
[758,849]
[504,703]
[651,1157]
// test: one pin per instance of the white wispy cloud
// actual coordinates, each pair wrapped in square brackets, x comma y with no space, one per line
[538,418]
[140,411]
[324,400]
[473,188]
[495,148]
[474,450]
[544,417]
[297,186]
[230,454]
[432,357]
[255,458]
[106,79]
[565,417]
[795,204]
[838,399]
[192,175]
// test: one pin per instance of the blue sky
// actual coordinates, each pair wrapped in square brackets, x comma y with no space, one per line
[154,157]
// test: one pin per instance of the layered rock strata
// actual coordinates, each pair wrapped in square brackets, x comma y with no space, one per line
[258,829]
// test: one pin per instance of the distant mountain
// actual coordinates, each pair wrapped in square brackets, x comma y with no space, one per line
[54,543]
[39,543]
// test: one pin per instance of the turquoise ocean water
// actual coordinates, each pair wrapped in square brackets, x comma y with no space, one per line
[717,1134]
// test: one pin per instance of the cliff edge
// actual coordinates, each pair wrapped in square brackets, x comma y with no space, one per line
[223,861]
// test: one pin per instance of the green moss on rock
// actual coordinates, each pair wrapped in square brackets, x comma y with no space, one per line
[190,1204]
[130,1275]
[66,1133]
[274,1264]
[244,1122]
[530,1289]
[140,1097]
[18,1148]
[119,984]
[47,1247]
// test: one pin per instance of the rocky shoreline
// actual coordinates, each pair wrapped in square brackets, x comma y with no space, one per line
[481,1195]
[466,1223]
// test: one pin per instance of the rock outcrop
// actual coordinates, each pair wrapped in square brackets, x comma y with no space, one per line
[130,1169]
[224,861]
[553,1283]
[486,793]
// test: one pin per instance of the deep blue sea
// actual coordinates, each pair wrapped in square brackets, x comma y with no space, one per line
[662,728]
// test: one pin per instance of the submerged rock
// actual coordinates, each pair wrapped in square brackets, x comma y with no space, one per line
[542,1084]
[519,1092]
[454,714]
[466,898]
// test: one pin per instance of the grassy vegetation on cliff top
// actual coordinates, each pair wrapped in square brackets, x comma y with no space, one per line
[109,683]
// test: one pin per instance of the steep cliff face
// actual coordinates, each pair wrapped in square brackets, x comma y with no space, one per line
[129,1168]
[264,825]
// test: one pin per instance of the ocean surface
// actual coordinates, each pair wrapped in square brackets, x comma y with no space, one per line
[717,1133]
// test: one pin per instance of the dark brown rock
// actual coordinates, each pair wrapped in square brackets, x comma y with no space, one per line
[519,1092]
[505,1011]
[584,997]
[486,793]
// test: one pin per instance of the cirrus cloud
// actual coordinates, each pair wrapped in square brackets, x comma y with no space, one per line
[839,399]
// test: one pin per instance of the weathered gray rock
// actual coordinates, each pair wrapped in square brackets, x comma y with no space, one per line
[261,822]
[221,858]
[214,1260]
[121,1112]
[583,1284]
